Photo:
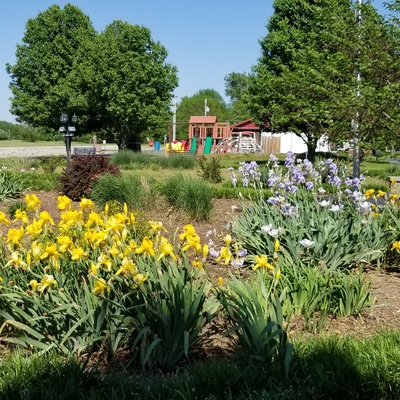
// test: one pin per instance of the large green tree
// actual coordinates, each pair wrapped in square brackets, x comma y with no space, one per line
[380,72]
[236,85]
[44,61]
[307,80]
[127,84]
[304,77]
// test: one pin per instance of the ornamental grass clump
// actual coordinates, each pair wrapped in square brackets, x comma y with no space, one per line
[93,283]
[193,196]
[136,191]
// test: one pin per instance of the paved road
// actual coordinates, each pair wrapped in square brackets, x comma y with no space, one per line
[60,150]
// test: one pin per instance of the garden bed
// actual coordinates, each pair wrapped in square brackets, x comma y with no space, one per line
[384,283]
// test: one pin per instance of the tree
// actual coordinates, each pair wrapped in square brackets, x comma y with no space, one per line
[306,80]
[127,84]
[195,105]
[380,70]
[40,77]
[305,75]
[236,85]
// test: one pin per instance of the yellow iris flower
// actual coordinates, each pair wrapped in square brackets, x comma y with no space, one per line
[86,204]
[100,286]
[35,228]
[396,246]
[21,216]
[78,253]
[64,243]
[225,255]
[369,193]
[166,249]
[15,236]
[33,202]
[64,202]
[16,260]
[128,267]
[262,262]
[50,251]
[140,278]
[3,219]
[146,247]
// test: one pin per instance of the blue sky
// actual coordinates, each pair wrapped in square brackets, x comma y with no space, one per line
[205,39]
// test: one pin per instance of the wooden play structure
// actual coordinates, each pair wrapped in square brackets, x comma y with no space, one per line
[206,135]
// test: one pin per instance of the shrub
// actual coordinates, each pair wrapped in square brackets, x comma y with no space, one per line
[210,169]
[50,164]
[192,196]
[38,181]
[77,180]
[137,192]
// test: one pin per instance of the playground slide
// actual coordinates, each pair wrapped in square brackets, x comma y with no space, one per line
[193,146]
[207,145]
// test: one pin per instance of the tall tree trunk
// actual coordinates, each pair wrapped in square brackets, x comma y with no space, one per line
[133,143]
[311,149]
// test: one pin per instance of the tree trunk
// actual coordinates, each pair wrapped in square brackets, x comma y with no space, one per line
[311,149]
[133,143]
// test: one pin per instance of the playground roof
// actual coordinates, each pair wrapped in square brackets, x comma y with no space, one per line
[247,125]
[199,119]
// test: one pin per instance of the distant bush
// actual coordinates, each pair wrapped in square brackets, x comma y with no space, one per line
[50,164]
[209,169]
[78,178]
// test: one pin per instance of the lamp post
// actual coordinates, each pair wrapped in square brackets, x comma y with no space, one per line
[68,130]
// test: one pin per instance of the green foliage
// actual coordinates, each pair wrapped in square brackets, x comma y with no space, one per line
[134,190]
[236,85]
[50,164]
[18,205]
[40,78]
[327,367]
[341,239]
[256,318]
[375,186]
[176,311]
[11,185]
[129,69]
[289,94]
[77,180]
[192,196]
[130,160]
[209,169]
[38,181]
[316,293]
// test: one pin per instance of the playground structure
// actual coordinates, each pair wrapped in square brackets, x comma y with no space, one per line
[208,136]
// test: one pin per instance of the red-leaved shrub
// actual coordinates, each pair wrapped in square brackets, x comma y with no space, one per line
[78,178]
